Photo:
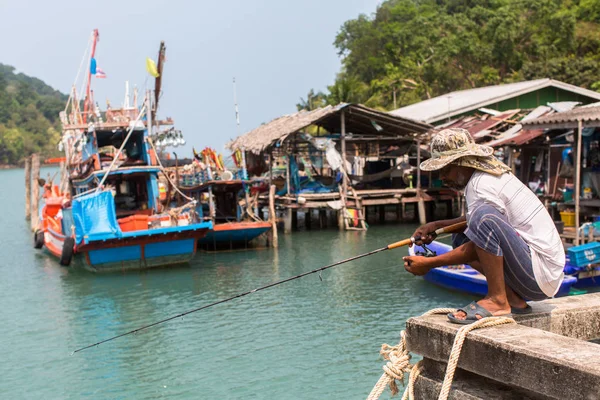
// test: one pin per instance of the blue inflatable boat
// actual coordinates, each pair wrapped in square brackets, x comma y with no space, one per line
[464,278]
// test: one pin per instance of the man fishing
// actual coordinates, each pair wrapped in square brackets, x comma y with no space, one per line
[510,237]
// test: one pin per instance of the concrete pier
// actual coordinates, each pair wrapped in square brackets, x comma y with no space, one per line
[546,355]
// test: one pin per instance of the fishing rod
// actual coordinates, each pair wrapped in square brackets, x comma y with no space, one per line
[406,242]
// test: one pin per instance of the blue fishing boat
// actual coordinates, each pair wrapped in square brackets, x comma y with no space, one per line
[110,212]
[464,278]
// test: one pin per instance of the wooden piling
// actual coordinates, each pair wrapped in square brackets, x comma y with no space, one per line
[294,219]
[35,166]
[308,219]
[422,211]
[287,221]
[323,218]
[273,216]
[28,187]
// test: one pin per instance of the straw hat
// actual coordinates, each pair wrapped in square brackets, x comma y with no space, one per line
[455,145]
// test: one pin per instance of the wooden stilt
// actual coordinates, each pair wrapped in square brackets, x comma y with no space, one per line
[422,211]
[308,219]
[287,221]
[381,214]
[35,166]
[273,217]
[323,218]
[294,220]
[28,187]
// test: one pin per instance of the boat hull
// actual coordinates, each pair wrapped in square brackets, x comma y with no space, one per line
[468,280]
[233,234]
[135,250]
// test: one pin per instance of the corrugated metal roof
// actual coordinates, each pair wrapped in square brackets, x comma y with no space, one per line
[585,114]
[360,120]
[459,102]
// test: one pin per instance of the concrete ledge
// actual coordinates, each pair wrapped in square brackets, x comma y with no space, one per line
[466,386]
[523,357]
[573,316]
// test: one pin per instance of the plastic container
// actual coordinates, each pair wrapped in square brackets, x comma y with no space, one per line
[165,221]
[134,223]
[585,254]
[183,220]
[568,218]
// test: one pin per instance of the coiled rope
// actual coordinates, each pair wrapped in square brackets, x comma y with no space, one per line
[399,359]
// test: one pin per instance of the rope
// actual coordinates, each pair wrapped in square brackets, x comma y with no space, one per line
[457,347]
[399,358]
[166,174]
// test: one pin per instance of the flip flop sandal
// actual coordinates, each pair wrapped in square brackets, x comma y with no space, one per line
[472,310]
[521,311]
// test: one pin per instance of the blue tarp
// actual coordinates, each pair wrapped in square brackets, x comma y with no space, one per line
[95,217]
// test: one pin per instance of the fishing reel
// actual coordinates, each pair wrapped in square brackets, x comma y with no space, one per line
[427,252]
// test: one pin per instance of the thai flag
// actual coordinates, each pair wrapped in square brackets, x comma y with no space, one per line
[100,73]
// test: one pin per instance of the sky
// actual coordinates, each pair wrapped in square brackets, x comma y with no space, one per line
[277,50]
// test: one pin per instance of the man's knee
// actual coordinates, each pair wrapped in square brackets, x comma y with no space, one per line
[458,239]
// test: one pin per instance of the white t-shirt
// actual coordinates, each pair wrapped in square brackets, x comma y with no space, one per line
[526,213]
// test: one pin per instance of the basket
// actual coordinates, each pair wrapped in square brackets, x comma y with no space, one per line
[585,254]
[134,223]
[568,218]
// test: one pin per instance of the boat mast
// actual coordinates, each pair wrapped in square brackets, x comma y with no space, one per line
[158,80]
[87,106]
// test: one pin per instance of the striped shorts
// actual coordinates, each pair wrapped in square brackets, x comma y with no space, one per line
[489,229]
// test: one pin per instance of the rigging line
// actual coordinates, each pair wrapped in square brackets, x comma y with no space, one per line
[78,73]
[233,298]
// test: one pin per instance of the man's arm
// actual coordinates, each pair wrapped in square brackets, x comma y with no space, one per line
[424,232]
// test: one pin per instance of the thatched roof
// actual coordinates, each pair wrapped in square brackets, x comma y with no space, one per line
[359,120]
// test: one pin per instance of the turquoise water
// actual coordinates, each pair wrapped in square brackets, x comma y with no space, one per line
[305,339]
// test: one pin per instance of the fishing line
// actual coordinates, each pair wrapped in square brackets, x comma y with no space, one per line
[405,242]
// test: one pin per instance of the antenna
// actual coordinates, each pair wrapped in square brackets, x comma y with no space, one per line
[237,112]
[126,105]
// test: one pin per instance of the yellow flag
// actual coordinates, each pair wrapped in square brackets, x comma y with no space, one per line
[151,67]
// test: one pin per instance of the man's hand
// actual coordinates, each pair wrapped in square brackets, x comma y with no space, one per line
[424,234]
[417,265]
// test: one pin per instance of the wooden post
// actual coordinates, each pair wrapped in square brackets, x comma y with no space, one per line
[421,203]
[422,211]
[294,219]
[211,205]
[273,216]
[381,214]
[323,218]
[548,173]
[287,220]
[64,178]
[343,145]
[308,219]
[418,166]
[287,174]
[578,179]
[35,166]
[28,187]
[270,168]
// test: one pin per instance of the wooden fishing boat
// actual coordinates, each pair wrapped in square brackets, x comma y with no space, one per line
[463,278]
[110,208]
[223,198]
